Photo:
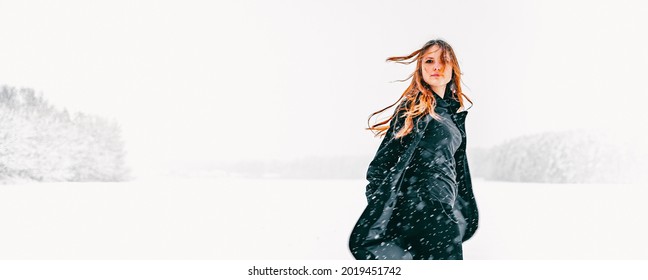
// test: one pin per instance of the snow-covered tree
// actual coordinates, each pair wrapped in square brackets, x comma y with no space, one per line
[42,143]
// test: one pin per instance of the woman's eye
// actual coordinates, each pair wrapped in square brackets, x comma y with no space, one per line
[428,61]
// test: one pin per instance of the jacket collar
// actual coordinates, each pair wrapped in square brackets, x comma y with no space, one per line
[460,118]
[453,105]
[447,101]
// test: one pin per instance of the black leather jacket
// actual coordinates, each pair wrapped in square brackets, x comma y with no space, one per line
[385,174]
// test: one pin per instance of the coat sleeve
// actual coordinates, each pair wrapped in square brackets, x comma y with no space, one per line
[388,153]
[465,202]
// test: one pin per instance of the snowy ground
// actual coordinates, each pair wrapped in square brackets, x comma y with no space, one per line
[301,219]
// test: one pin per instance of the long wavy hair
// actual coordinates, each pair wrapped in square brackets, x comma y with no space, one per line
[418,96]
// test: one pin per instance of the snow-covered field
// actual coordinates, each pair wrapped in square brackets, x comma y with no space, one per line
[230,218]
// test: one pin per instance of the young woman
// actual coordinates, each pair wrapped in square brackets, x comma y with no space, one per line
[420,199]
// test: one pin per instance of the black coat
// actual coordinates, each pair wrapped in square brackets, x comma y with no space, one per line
[369,238]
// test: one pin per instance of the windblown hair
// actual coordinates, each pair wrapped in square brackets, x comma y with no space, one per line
[418,96]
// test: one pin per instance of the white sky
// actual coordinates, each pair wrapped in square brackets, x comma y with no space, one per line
[206,80]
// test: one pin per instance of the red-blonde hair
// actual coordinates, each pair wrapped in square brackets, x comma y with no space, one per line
[424,103]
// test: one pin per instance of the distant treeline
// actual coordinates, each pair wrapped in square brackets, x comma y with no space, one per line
[40,142]
[550,157]
[311,167]
[576,156]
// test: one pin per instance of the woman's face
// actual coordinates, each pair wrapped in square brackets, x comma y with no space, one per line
[437,71]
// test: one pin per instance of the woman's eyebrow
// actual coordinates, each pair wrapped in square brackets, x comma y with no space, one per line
[431,57]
